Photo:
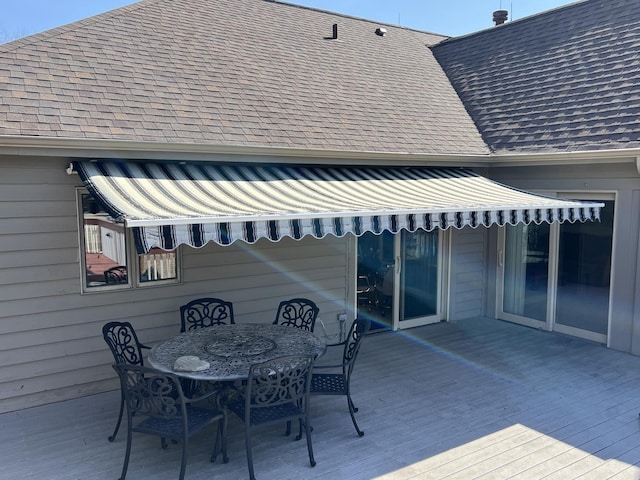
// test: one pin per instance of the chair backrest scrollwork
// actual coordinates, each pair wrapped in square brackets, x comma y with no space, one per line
[279,381]
[149,392]
[298,312]
[358,330]
[205,312]
[123,343]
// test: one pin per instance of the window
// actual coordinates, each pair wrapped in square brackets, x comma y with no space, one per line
[108,260]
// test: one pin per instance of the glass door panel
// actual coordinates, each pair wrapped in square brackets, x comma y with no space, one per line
[419,280]
[376,277]
[526,271]
[584,266]
[398,283]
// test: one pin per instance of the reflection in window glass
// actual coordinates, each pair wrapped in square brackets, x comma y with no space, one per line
[157,265]
[526,270]
[584,272]
[419,274]
[105,255]
[105,252]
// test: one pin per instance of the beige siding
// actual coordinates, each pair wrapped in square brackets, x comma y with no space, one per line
[256,278]
[468,270]
[51,345]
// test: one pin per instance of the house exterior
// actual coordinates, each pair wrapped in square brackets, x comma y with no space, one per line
[122,136]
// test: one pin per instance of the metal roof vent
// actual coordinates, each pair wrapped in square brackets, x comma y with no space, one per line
[381,32]
[500,16]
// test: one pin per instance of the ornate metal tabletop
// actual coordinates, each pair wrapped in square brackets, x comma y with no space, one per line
[230,350]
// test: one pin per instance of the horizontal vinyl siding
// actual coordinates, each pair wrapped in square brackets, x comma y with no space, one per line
[51,345]
[468,269]
[256,278]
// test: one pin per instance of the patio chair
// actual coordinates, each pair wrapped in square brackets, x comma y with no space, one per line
[205,312]
[160,408]
[297,312]
[116,275]
[276,391]
[126,349]
[339,381]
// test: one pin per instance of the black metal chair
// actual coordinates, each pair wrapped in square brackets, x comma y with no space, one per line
[116,275]
[126,349]
[276,391]
[160,408]
[339,382]
[298,312]
[205,312]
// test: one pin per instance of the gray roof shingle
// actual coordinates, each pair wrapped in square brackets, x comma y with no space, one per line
[234,72]
[565,80]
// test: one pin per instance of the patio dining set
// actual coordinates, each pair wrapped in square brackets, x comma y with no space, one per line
[262,373]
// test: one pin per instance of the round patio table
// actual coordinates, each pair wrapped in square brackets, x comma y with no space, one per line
[230,350]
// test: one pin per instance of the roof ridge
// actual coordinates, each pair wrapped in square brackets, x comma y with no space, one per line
[508,24]
[62,29]
[353,17]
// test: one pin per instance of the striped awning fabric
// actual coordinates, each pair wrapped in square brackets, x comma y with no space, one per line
[168,204]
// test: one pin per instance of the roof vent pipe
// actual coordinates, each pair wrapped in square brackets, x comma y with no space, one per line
[500,16]
[335,31]
[381,31]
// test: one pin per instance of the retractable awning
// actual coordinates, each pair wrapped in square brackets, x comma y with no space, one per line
[168,204]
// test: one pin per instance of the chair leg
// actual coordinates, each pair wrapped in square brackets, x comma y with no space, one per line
[307,429]
[300,424]
[249,454]
[126,455]
[185,451]
[352,410]
[221,442]
[216,446]
[115,432]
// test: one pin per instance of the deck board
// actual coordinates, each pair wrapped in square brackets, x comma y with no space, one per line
[478,398]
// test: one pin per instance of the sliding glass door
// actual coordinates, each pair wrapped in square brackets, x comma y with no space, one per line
[526,273]
[419,279]
[557,277]
[399,280]
[584,271]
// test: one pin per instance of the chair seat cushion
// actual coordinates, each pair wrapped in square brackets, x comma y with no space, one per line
[328,383]
[198,418]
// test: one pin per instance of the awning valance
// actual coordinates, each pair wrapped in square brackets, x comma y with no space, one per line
[168,204]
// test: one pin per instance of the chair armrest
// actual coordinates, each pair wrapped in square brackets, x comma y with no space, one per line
[144,346]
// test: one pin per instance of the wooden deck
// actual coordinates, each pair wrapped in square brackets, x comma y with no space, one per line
[473,399]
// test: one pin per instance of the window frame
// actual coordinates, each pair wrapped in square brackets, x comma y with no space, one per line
[131,257]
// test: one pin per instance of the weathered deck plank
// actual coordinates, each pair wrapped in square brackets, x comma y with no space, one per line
[474,399]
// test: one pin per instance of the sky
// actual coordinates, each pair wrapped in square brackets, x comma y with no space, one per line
[19,18]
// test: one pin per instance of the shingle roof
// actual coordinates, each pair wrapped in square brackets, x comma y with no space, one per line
[565,80]
[234,72]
